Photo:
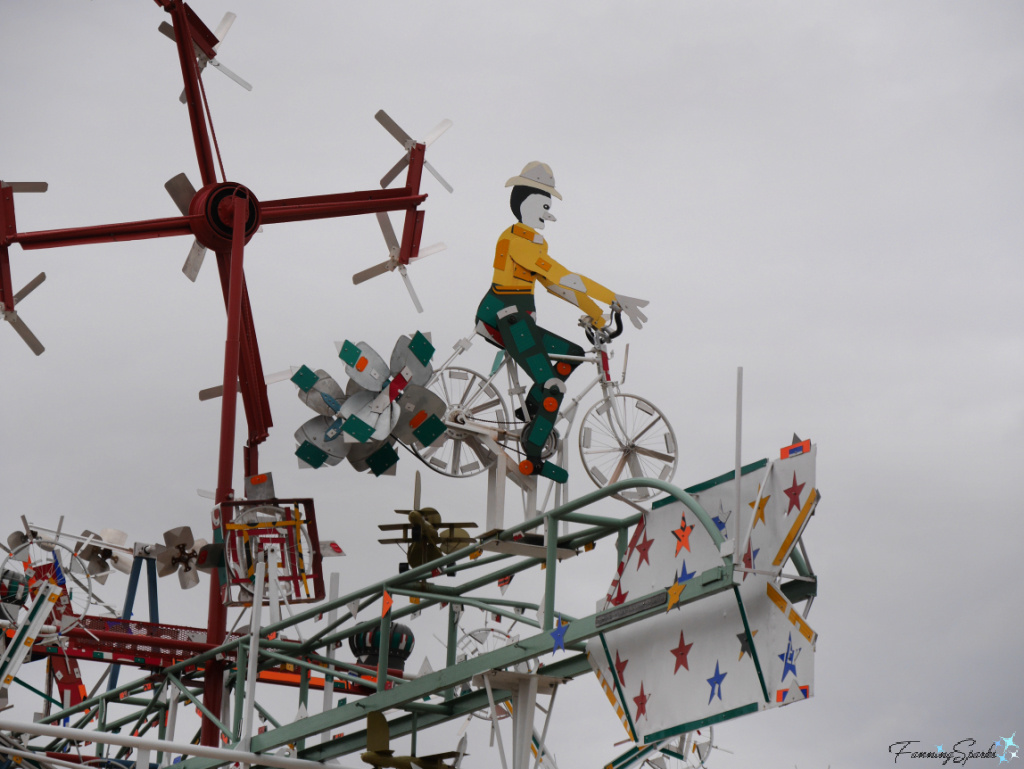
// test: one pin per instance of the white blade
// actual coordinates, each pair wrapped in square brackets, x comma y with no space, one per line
[438,176]
[373,272]
[427,251]
[436,132]
[206,493]
[27,186]
[167,29]
[194,260]
[215,392]
[395,171]
[23,331]
[181,191]
[221,68]
[188,579]
[408,285]
[29,287]
[389,232]
[393,128]
[225,24]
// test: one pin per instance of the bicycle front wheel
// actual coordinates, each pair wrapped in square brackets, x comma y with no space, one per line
[623,437]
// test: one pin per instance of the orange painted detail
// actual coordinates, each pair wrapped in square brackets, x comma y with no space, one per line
[563,368]
[256,480]
[526,467]
[388,600]
[417,420]
[543,265]
[361,364]
[550,404]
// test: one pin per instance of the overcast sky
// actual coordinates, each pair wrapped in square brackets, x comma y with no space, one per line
[827,194]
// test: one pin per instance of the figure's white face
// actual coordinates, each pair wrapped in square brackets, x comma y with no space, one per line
[536,210]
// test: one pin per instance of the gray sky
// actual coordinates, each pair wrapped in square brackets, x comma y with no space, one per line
[826,194]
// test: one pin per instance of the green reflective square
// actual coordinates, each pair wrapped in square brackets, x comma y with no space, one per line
[310,454]
[383,458]
[431,429]
[349,353]
[305,378]
[358,429]
[421,347]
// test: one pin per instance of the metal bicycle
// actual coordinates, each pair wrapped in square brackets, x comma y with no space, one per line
[621,436]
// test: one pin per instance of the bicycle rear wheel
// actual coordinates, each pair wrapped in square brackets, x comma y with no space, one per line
[623,437]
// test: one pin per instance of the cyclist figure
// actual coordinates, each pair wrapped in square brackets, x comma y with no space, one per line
[507,314]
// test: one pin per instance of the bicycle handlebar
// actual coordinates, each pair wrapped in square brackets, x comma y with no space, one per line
[592,333]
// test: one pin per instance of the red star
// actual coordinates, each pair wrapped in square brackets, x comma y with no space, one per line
[643,548]
[641,702]
[620,667]
[681,652]
[793,492]
[748,558]
[682,535]
[619,596]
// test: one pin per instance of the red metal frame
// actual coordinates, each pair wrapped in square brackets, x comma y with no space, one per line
[241,349]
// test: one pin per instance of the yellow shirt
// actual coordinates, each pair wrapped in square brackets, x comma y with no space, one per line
[521,258]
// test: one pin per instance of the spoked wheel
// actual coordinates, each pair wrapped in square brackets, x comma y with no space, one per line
[624,437]
[690,750]
[34,561]
[470,400]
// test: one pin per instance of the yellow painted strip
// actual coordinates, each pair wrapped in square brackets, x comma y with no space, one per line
[797,526]
[803,627]
[777,598]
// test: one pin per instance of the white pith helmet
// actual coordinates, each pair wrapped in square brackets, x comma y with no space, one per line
[537,175]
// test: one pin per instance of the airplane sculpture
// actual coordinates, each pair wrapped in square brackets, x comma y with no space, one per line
[427,536]
[378,749]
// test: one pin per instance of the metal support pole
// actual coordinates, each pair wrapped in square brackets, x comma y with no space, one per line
[385,648]
[551,541]
[252,672]
[332,617]
[739,441]
[154,601]
[126,613]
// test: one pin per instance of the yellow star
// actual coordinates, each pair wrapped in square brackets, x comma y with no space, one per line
[674,592]
[760,508]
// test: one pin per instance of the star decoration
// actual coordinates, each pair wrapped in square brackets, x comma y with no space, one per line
[938,748]
[620,597]
[681,653]
[760,508]
[643,549]
[641,702]
[682,535]
[716,681]
[674,591]
[789,658]
[749,558]
[559,635]
[793,492]
[620,668]
[744,646]
[721,519]
[684,575]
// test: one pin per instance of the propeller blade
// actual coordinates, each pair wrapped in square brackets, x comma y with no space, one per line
[194,261]
[394,129]
[23,331]
[188,577]
[122,562]
[199,544]
[373,272]
[436,132]
[114,537]
[180,535]
[395,171]
[238,79]
[424,252]
[167,29]
[181,191]
[461,750]
[389,232]
[408,284]
[27,186]
[437,176]
[416,493]
[164,565]
[225,24]
[218,390]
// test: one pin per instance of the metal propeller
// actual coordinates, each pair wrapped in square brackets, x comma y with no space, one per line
[181,191]
[408,142]
[392,263]
[202,59]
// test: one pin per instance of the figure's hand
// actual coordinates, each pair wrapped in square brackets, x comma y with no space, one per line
[631,307]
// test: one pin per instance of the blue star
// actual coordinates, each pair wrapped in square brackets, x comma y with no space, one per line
[716,680]
[684,576]
[559,635]
[789,660]
[1009,741]
[719,523]
[938,748]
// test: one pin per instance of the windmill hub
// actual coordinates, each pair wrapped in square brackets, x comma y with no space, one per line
[215,203]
